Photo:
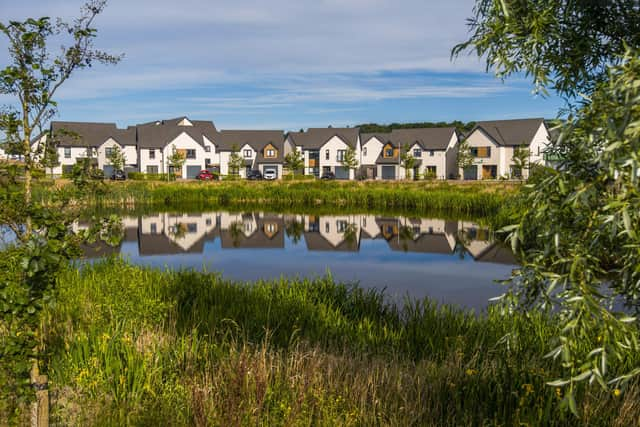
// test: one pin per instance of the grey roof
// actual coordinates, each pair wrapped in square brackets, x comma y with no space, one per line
[315,138]
[425,243]
[316,242]
[381,136]
[87,134]
[427,138]
[257,139]
[497,253]
[510,132]
[258,239]
[158,134]
[161,244]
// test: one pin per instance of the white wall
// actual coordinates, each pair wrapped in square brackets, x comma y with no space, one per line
[373,148]
[479,139]
[185,142]
[333,145]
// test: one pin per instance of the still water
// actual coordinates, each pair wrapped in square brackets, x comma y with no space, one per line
[454,262]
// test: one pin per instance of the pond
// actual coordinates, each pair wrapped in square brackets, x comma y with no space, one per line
[451,261]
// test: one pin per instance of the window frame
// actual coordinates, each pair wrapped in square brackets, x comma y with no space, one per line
[190,154]
[152,154]
[247,153]
[67,152]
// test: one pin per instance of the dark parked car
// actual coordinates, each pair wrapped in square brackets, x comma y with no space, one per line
[118,175]
[328,175]
[205,175]
[254,175]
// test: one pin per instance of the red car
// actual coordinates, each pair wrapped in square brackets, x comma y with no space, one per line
[205,175]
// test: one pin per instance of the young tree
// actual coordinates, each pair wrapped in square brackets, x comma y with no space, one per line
[520,160]
[175,161]
[37,67]
[464,158]
[350,160]
[235,161]
[37,70]
[50,158]
[408,162]
[117,158]
[577,237]
[294,161]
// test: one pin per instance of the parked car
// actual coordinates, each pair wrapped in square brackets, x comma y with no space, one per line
[254,175]
[118,175]
[270,174]
[328,175]
[205,175]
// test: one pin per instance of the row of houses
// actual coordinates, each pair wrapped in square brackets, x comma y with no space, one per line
[175,234]
[148,146]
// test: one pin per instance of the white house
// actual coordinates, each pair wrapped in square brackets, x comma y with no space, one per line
[158,140]
[433,150]
[261,150]
[324,149]
[493,143]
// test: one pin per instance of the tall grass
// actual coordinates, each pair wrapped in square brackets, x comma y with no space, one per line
[132,345]
[471,199]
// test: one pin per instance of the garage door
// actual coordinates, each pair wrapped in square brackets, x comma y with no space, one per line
[388,172]
[193,171]
[108,171]
[273,168]
[471,173]
[342,172]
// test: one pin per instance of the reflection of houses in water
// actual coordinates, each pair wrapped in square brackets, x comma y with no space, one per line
[332,233]
[479,243]
[423,235]
[255,231]
[167,233]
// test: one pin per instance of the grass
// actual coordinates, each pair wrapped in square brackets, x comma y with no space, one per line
[479,199]
[138,346]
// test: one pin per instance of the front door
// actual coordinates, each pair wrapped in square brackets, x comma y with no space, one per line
[470,173]
[489,172]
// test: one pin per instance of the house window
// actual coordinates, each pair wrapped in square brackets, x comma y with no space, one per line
[152,169]
[341,226]
[271,228]
[108,151]
[207,149]
[326,227]
[67,152]
[341,154]
[326,154]
[208,221]
[207,163]
[247,153]
[388,152]
[417,152]
[191,154]
[270,152]
[152,154]
[89,152]
[481,152]
[431,153]
[192,227]
[154,228]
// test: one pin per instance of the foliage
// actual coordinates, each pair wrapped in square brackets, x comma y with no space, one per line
[377,128]
[520,160]
[578,236]
[235,161]
[175,161]
[408,162]
[117,158]
[464,158]
[50,157]
[294,161]
[350,160]
[564,45]
[139,346]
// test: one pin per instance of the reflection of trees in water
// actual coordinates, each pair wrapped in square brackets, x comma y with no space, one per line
[294,230]
[463,240]
[350,235]
[235,229]
[178,231]
[406,235]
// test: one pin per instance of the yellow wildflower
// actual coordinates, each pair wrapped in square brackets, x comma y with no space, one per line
[471,372]
[528,388]
[617,392]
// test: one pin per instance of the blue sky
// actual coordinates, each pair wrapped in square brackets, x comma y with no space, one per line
[284,64]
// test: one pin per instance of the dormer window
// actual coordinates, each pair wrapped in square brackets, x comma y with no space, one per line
[388,151]
[270,152]
[247,154]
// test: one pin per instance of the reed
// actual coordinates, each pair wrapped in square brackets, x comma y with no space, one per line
[480,199]
[138,346]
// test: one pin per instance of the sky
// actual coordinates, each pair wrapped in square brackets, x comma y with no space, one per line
[283,64]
